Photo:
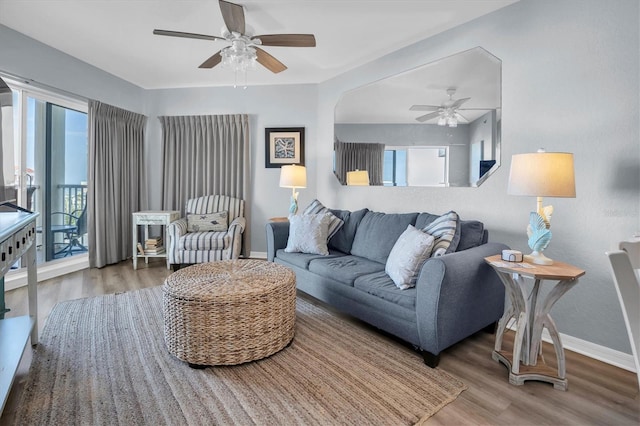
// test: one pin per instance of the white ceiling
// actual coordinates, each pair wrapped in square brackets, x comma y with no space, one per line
[116,35]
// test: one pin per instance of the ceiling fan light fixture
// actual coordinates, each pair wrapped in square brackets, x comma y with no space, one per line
[442,121]
[240,58]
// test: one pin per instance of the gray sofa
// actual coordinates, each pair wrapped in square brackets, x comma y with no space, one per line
[456,295]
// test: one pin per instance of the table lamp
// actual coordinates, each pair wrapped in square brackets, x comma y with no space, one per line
[358,178]
[541,174]
[293,176]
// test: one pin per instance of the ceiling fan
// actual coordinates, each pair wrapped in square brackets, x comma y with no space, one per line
[244,47]
[447,114]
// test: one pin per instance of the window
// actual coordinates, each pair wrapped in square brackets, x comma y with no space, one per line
[394,171]
[416,166]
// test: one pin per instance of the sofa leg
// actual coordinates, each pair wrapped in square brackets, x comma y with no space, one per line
[430,359]
[491,328]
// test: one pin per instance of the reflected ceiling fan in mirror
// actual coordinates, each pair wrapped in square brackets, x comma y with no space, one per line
[448,114]
[243,51]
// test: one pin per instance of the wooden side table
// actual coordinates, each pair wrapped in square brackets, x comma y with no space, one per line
[152,217]
[526,362]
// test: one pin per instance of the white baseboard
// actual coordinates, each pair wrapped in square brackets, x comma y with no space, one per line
[592,350]
[258,255]
[47,271]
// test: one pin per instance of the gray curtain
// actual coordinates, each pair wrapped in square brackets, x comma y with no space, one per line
[117,186]
[206,155]
[359,156]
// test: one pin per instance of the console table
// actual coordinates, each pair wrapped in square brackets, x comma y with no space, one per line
[17,237]
[152,217]
[532,316]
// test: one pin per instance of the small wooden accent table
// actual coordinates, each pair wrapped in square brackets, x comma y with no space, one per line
[152,217]
[526,362]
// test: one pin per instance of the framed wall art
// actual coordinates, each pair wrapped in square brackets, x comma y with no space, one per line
[284,146]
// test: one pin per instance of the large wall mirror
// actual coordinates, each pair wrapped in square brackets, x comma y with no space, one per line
[435,125]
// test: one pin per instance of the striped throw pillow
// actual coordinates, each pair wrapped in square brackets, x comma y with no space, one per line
[335,222]
[443,230]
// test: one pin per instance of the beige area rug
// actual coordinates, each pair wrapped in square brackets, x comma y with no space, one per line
[102,361]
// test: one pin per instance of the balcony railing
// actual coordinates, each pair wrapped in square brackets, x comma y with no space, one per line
[74,197]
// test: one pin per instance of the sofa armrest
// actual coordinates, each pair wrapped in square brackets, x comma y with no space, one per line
[277,236]
[457,295]
[176,229]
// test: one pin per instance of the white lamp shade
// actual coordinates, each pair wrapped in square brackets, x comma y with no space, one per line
[542,174]
[293,176]
[358,178]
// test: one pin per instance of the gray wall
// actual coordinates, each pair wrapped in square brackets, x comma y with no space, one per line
[267,106]
[25,57]
[569,83]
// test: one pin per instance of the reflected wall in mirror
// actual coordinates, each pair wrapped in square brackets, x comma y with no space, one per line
[435,125]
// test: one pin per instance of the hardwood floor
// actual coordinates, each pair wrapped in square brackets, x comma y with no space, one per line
[598,393]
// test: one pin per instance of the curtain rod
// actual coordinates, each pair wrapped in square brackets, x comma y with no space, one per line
[39,85]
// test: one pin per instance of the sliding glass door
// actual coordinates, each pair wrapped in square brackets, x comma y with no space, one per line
[50,155]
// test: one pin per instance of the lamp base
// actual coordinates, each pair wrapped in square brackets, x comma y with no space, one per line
[538,258]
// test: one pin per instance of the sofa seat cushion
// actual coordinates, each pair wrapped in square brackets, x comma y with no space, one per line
[379,284]
[378,232]
[344,269]
[302,260]
[204,241]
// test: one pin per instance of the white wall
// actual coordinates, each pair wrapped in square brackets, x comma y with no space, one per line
[570,83]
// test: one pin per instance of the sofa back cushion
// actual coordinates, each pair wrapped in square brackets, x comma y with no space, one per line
[472,234]
[378,232]
[342,240]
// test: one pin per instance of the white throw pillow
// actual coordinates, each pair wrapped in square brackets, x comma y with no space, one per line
[215,222]
[308,234]
[407,256]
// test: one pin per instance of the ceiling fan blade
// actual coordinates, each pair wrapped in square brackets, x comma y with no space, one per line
[186,35]
[288,40]
[269,62]
[459,102]
[233,16]
[426,117]
[424,108]
[212,61]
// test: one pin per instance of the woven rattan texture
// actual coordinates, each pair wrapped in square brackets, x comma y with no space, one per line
[229,312]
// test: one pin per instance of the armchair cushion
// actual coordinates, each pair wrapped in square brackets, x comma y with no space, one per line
[204,241]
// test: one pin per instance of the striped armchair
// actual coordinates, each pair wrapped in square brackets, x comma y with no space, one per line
[199,247]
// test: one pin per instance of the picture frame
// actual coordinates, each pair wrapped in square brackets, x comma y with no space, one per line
[284,146]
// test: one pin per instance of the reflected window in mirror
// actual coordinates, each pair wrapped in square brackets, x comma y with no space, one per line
[454,103]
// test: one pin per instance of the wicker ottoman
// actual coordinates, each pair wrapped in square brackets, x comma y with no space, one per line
[229,312]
